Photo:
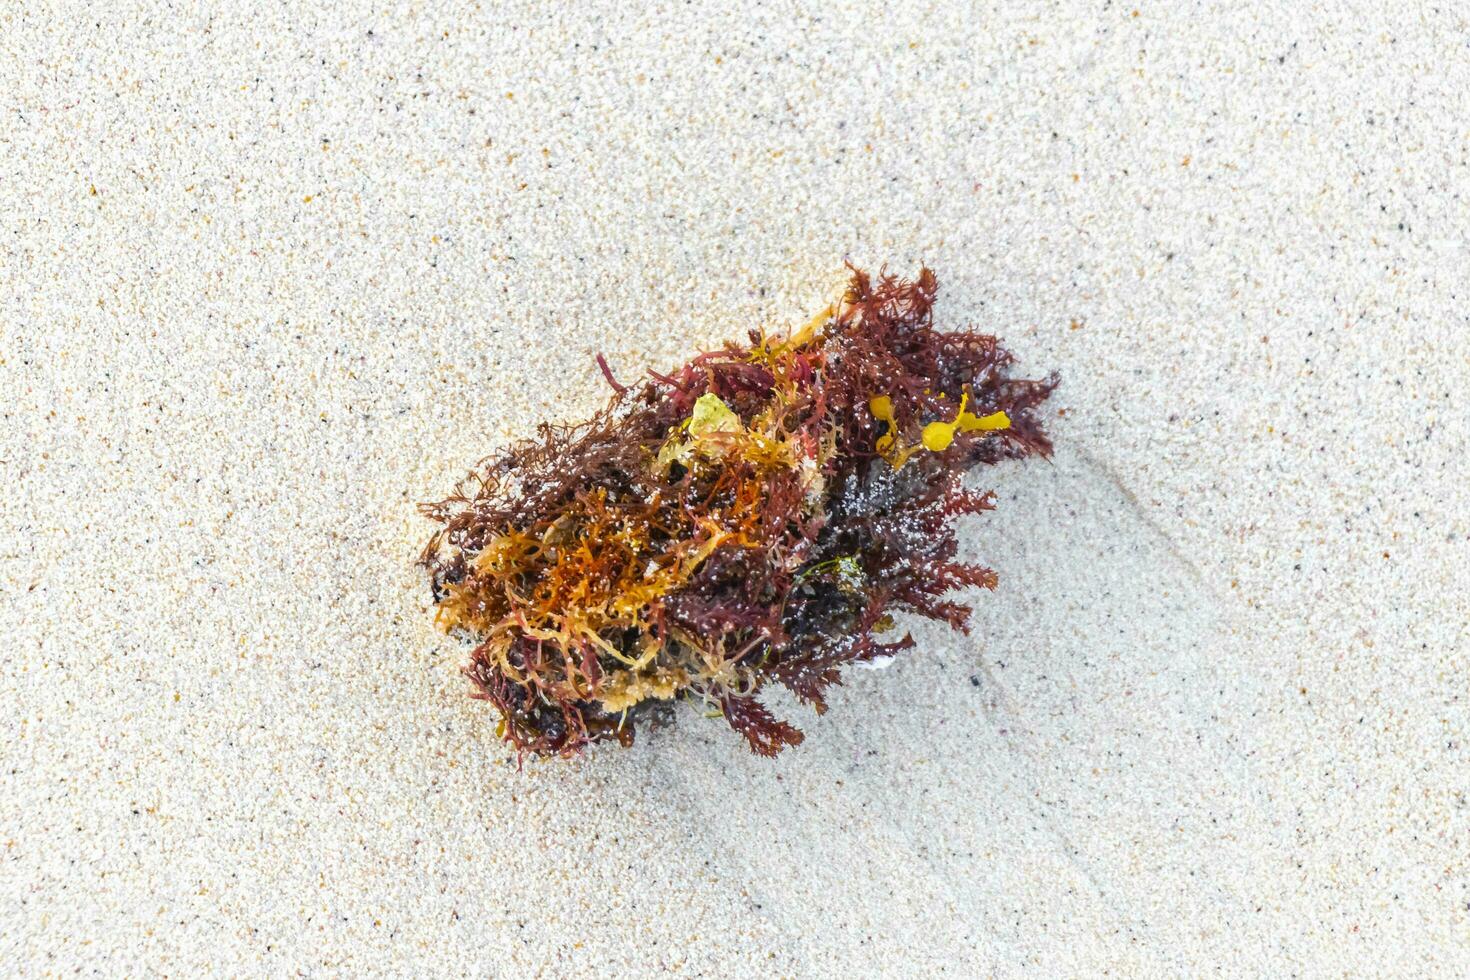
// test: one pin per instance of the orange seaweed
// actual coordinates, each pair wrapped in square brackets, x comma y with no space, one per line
[755,516]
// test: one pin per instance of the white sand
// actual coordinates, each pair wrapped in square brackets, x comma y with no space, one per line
[267,279]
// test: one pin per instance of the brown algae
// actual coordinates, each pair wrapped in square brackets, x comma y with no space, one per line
[755,517]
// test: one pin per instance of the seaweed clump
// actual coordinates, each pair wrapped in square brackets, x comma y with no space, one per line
[755,517]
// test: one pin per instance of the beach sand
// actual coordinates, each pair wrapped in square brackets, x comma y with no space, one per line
[268,279]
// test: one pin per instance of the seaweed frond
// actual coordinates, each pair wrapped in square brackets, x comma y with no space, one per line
[756,516]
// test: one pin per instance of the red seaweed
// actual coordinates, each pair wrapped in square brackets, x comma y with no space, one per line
[756,516]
